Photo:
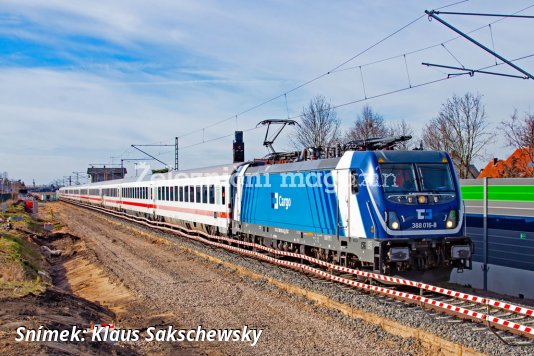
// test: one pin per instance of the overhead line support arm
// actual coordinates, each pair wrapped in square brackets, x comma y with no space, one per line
[432,14]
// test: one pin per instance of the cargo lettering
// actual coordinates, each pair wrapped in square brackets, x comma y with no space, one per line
[280,202]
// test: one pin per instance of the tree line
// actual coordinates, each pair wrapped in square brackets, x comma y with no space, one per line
[460,128]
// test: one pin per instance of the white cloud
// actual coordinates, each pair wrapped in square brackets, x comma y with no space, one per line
[194,63]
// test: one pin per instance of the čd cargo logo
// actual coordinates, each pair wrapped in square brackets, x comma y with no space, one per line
[278,201]
[423,214]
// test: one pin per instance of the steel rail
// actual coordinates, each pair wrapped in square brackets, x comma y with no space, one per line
[432,303]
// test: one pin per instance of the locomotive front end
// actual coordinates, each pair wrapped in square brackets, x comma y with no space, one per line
[421,213]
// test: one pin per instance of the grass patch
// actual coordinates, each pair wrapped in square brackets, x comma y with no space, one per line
[22,288]
[19,266]
[18,250]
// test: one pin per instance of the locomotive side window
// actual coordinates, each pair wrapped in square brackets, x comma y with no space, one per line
[354,184]
[223,195]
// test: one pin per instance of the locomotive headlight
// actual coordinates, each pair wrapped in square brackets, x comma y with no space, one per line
[422,199]
[393,221]
[452,220]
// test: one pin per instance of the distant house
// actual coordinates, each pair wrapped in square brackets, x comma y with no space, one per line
[105,173]
[472,171]
[518,165]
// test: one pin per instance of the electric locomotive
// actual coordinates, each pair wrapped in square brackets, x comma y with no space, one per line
[393,212]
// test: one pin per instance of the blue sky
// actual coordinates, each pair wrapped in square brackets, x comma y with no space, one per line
[82,81]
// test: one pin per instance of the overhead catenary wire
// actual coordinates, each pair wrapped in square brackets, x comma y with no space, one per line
[338,68]
[335,68]
[430,46]
[366,98]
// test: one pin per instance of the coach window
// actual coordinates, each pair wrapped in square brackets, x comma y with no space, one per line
[159,193]
[180,194]
[223,195]
[212,194]
[171,198]
[204,194]
[199,194]
[175,193]
[191,194]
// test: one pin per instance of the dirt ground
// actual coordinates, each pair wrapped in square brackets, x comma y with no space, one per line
[112,272]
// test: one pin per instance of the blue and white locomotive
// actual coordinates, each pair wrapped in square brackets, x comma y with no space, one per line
[391,212]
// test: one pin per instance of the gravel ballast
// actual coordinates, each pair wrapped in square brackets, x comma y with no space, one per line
[459,332]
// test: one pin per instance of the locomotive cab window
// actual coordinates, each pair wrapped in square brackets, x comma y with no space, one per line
[398,177]
[435,177]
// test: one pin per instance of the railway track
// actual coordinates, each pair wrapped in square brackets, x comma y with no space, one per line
[512,324]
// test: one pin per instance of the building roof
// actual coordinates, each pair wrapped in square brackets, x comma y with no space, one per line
[518,165]
[106,170]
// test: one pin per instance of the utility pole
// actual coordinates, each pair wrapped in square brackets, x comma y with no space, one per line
[77,177]
[176,153]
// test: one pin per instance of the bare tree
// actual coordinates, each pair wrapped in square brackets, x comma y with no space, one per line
[403,129]
[319,126]
[369,124]
[519,133]
[461,129]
